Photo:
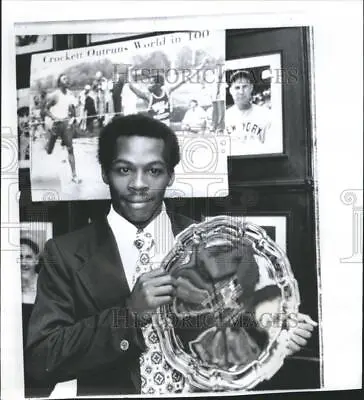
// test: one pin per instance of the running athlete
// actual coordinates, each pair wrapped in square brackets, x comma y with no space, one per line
[158,95]
[62,112]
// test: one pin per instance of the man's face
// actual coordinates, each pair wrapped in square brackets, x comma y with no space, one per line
[64,81]
[154,85]
[28,261]
[241,92]
[193,105]
[138,178]
[23,123]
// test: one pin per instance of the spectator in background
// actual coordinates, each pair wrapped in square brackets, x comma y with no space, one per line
[90,109]
[102,88]
[43,105]
[195,118]
[23,133]
[116,93]
[35,118]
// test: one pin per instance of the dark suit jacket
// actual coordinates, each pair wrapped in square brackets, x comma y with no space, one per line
[80,326]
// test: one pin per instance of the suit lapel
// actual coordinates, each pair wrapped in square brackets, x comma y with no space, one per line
[102,271]
[179,222]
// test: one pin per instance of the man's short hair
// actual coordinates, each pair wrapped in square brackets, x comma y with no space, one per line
[35,249]
[23,111]
[158,78]
[137,125]
[59,79]
[30,243]
[241,74]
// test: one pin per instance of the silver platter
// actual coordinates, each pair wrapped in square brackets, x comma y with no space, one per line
[228,325]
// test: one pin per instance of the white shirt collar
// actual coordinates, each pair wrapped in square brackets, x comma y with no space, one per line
[125,233]
[118,223]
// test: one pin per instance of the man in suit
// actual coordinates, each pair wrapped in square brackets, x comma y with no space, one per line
[90,315]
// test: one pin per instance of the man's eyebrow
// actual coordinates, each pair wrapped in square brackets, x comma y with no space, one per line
[122,161]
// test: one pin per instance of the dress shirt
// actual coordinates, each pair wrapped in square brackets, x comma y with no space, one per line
[125,233]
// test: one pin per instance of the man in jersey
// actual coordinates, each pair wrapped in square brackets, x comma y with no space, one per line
[158,93]
[245,121]
[61,109]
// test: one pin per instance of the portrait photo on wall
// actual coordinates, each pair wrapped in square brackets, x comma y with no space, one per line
[33,236]
[33,43]
[24,128]
[31,112]
[174,78]
[254,114]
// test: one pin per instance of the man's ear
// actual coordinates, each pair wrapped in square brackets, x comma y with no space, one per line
[104,176]
[171,179]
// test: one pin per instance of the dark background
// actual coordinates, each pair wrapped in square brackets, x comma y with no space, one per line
[258,185]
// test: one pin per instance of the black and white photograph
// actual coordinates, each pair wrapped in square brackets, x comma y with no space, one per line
[33,43]
[117,128]
[167,232]
[24,128]
[123,138]
[31,127]
[163,77]
[254,105]
[33,236]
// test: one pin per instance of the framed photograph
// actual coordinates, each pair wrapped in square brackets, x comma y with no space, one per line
[38,231]
[104,37]
[131,77]
[279,62]
[24,128]
[274,225]
[33,236]
[33,43]
[253,118]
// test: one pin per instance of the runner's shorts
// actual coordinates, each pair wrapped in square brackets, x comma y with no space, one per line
[64,131]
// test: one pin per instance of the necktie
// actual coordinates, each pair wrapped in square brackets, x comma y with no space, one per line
[157,376]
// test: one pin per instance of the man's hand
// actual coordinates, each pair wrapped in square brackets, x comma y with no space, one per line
[190,293]
[152,290]
[300,333]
